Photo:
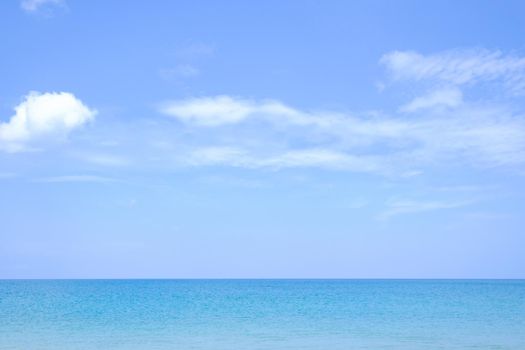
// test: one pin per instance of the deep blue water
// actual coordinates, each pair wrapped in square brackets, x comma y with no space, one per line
[262,314]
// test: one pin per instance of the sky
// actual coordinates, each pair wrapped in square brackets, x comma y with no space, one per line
[268,139]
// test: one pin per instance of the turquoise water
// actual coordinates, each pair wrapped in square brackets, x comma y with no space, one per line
[262,314]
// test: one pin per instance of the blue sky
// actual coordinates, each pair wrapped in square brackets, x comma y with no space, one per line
[368,139]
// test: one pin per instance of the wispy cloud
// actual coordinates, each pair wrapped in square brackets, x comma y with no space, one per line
[407,206]
[306,158]
[447,98]
[458,67]
[482,134]
[187,63]
[36,5]
[104,159]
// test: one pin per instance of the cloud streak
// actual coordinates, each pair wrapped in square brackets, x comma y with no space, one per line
[35,5]
[402,207]
[306,158]
[458,67]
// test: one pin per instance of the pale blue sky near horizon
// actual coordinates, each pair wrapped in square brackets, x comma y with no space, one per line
[270,139]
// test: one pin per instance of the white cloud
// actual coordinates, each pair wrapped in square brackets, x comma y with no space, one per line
[481,134]
[444,129]
[304,158]
[450,98]
[209,111]
[43,117]
[35,5]
[458,67]
[220,110]
[324,158]
[449,127]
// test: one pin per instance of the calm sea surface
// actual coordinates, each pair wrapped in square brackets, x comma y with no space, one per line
[262,314]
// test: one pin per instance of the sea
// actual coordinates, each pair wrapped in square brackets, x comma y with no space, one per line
[262,314]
